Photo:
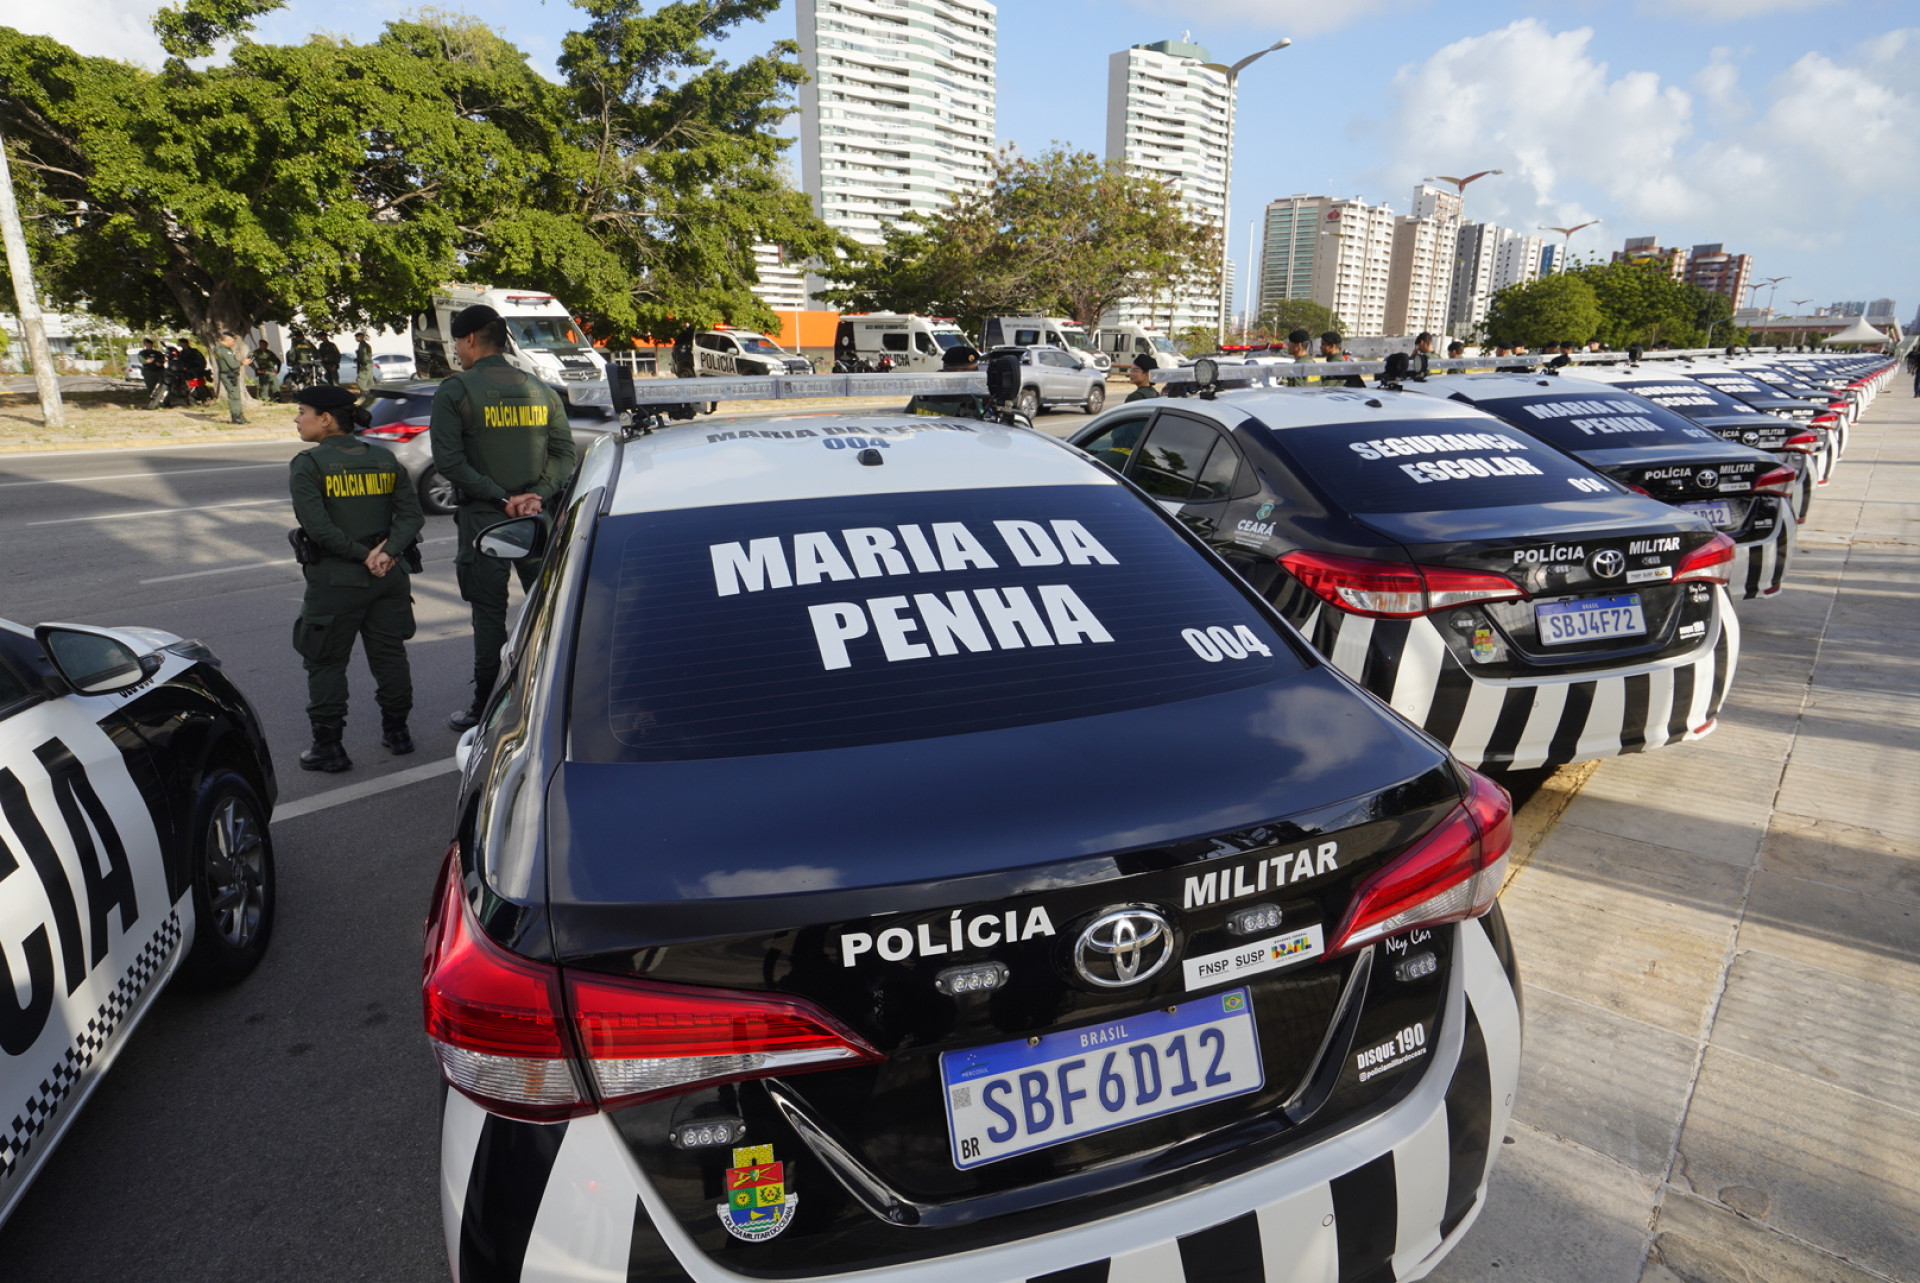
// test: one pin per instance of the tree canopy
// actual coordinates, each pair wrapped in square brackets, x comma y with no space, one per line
[1283,316]
[1062,233]
[1544,311]
[1622,303]
[341,182]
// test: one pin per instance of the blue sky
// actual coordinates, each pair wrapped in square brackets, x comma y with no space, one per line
[1787,129]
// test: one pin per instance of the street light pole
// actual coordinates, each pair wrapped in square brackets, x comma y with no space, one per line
[46,381]
[1232,73]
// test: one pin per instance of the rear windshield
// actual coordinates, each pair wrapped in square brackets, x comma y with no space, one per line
[811,624]
[1687,397]
[1575,422]
[1435,464]
[1739,385]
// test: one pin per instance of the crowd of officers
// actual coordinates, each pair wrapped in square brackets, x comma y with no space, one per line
[177,373]
[501,436]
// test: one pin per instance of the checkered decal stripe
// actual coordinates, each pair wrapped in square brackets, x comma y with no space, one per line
[40,1107]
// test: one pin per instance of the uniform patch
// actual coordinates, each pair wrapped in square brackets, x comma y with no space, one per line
[758,1204]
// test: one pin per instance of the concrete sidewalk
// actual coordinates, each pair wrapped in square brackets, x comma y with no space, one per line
[1721,951]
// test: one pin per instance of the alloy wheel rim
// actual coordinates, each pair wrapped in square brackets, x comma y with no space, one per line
[236,872]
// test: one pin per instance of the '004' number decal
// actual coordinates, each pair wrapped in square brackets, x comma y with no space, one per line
[1218,643]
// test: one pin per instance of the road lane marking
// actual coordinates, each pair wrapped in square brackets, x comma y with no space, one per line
[364,789]
[157,512]
[257,565]
[141,476]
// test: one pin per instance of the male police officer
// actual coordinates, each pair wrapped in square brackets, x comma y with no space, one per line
[231,359]
[362,358]
[265,365]
[1140,374]
[329,353]
[153,365]
[501,436]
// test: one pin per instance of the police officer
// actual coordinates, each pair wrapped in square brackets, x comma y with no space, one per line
[362,358]
[153,365]
[360,515]
[265,365]
[959,359]
[501,437]
[330,359]
[232,361]
[1140,374]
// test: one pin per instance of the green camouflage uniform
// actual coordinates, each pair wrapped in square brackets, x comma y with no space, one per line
[362,362]
[230,364]
[265,366]
[497,432]
[348,495]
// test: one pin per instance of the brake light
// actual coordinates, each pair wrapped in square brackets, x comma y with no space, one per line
[498,1025]
[1453,873]
[1776,481]
[399,430]
[1827,419]
[493,1017]
[1391,590]
[1708,563]
[643,1039]
[1802,442]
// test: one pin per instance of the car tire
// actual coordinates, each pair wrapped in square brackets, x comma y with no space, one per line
[1028,402]
[233,891]
[438,496]
[1096,399]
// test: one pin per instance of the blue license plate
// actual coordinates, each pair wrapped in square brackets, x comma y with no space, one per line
[1590,619]
[1014,1097]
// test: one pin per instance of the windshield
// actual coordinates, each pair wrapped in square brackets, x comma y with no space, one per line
[1077,339]
[1575,422]
[1161,344]
[812,624]
[758,344]
[1433,465]
[544,332]
[949,338]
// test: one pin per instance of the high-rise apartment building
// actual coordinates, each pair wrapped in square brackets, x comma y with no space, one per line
[1517,260]
[1339,253]
[1287,250]
[1647,249]
[1420,281]
[1476,249]
[1881,309]
[897,115]
[1712,268]
[1552,259]
[1857,307]
[1170,117]
[780,286]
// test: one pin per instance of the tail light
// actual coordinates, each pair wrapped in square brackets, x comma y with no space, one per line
[399,430]
[1708,563]
[500,1026]
[1779,481]
[1802,442]
[1392,590]
[1453,873]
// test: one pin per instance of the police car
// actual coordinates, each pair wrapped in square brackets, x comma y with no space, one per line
[135,789]
[1521,608]
[897,848]
[1798,446]
[1810,413]
[1744,492]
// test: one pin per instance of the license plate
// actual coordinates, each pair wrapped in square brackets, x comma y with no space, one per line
[1015,1097]
[1590,619]
[1718,512]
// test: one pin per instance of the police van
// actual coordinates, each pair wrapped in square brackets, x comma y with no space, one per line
[1123,341]
[135,792]
[868,341]
[1043,331]
[728,353]
[542,339]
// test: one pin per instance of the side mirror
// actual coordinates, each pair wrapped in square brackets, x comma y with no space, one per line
[514,539]
[94,661]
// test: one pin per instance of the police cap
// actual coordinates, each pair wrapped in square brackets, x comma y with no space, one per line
[324,397]
[954,357]
[1145,364]
[471,320]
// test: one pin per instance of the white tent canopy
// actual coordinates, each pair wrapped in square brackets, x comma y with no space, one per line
[1858,332]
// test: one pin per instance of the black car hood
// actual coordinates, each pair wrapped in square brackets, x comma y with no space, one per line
[880,827]
[1590,516]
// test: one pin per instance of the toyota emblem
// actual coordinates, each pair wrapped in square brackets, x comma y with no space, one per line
[1706,478]
[1608,563]
[1123,946]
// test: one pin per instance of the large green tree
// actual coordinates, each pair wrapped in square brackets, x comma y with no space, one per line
[1642,303]
[1060,233]
[1283,316]
[1544,311]
[341,182]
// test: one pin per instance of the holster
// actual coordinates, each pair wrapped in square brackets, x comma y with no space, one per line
[305,550]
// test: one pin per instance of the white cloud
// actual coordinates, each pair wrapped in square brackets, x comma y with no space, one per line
[1578,140]
[102,28]
[1726,10]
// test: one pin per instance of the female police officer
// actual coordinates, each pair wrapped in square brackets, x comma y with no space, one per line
[358,516]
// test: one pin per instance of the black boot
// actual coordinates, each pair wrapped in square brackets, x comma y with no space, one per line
[327,753]
[465,718]
[394,734]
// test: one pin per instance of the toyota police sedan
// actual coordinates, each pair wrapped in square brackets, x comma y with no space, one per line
[897,848]
[1741,491]
[1520,607]
[135,788]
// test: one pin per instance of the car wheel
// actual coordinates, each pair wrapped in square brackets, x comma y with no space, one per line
[1096,399]
[1029,402]
[233,894]
[437,494]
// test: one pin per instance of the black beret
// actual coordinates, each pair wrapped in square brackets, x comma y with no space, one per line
[1145,363]
[324,397]
[961,355]
[468,320]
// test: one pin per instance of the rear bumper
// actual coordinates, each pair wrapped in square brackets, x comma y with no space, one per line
[1387,1198]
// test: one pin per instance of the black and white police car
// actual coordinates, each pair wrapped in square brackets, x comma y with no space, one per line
[135,789]
[1744,492]
[1811,412]
[1727,417]
[1518,606]
[898,849]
